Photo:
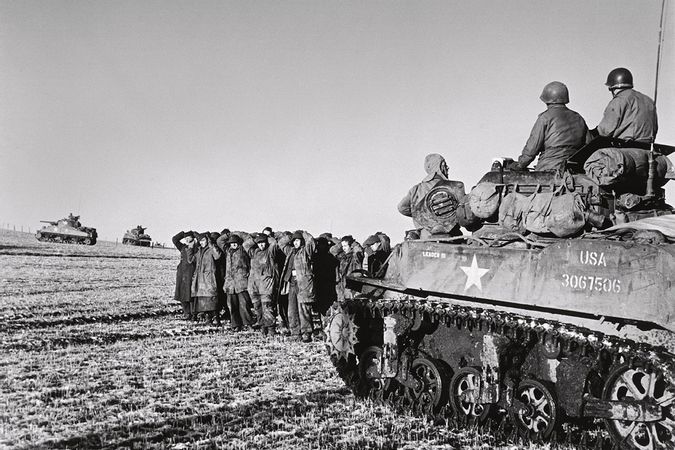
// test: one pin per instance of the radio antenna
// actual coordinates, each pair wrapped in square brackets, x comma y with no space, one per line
[658,55]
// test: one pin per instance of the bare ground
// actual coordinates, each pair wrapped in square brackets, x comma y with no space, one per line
[93,355]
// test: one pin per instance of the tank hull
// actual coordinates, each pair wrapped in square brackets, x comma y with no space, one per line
[67,234]
[530,335]
[578,277]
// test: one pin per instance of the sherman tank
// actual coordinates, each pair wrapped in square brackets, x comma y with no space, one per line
[538,336]
[137,236]
[68,230]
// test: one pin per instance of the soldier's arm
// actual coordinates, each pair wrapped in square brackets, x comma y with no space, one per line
[176,240]
[534,144]
[220,242]
[248,244]
[191,255]
[216,251]
[610,119]
[310,245]
[404,206]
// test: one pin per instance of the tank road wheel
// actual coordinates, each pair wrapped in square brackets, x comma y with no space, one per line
[625,383]
[87,241]
[535,411]
[341,335]
[464,392]
[428,391]
[372,384]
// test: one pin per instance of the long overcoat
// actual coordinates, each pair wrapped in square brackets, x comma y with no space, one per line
[184,271]
[204,282]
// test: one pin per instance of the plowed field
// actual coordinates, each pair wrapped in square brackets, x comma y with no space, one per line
[93,354]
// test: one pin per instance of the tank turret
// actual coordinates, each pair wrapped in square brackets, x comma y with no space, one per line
[551,312]
[68,230]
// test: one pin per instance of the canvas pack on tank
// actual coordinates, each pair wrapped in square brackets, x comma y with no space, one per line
[536,336]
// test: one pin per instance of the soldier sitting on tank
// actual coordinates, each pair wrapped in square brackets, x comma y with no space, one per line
[630,115]
[433,204]
[557,134]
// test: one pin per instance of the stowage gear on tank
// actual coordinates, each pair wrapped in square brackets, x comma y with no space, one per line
[526,326]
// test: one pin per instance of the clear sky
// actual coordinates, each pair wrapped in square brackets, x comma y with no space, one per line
[294,114]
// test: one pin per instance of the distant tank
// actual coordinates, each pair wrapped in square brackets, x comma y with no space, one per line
[523,330]
[137,236]
[68,230]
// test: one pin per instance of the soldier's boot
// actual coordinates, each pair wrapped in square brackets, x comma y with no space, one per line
[306,337]
[216,320]
[271,331]
[263,331]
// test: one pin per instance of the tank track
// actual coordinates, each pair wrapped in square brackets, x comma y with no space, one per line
[65,239]
[621,352]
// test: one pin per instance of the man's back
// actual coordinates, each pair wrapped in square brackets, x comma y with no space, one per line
[630,115]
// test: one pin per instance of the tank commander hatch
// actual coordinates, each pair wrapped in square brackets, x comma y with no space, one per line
[436,205]
[557,133]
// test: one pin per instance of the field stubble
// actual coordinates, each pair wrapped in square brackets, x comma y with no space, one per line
[94,356]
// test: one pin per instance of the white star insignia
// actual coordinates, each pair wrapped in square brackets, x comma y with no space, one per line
[473,275]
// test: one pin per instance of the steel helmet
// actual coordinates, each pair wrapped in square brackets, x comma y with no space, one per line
[555,92]
[619,78]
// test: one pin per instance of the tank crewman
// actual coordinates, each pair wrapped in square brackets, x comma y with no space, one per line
[299,273]
[557,133]
[267,231]
[630,115]
[350,257]
[377,249]
[237,266]
[74,221]
[204,286]
[185,243]
[439,214]
[263,278]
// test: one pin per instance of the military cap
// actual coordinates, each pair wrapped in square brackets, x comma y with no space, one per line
[348,238]
[298,235]
[234,239]
[261,237]
[372,239]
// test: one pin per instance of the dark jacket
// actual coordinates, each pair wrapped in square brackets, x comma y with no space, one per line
[303,259]
[557,134]
[325,279]
[185,269]
[204,279]
[264,271]
[630,115]
[348,262]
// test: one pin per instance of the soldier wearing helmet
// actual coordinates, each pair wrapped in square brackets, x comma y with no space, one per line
[557,134]
[630,115]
